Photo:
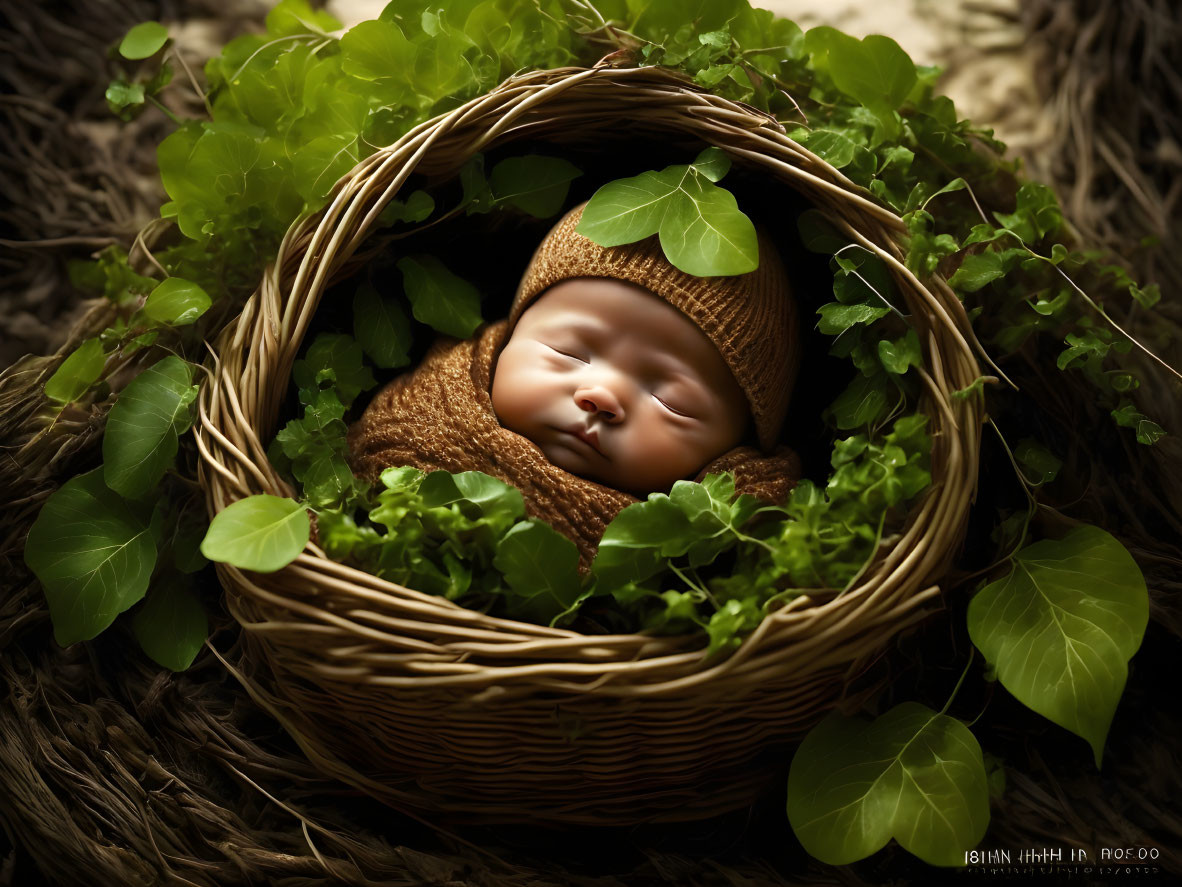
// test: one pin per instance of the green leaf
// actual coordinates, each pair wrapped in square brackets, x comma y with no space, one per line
[333,360]
[1054,306]
[1127,415]
[899,354]
[701,228]
[176,301]
[298,17]
[320,163]
[911,774]
[77,372]
[325,474]
[534,184]
[444,301]
[979,269]
[492,497]
[418,206]
[637,541]
[733,619]
[377,50]
[541,566]
[144,40]
[837,318]
[381,328]
[1061,627]
[93,552]
[186,542]
[1092,345]
[477,193]
[262,533]
[957,184]
[874,71]
[140,442]
[712,163]
[171,626]
[705,234]
[628,210]
[121,95]
[818,234]
[1146,297]
[1040,465]
[1037,213]
[833,147]
[863,402]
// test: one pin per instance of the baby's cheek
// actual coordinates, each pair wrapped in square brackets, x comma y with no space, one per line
[658,457]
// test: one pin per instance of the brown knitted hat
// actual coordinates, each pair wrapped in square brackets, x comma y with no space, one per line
[750,318]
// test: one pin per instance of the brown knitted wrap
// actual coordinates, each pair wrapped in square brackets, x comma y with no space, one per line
[440,416]
[750,318]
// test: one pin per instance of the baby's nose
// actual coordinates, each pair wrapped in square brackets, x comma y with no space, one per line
[602,400]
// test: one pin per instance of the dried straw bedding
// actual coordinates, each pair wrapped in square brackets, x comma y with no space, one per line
[424,703]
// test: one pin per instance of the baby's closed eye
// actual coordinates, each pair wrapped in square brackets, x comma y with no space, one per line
[568,352]
[679,401]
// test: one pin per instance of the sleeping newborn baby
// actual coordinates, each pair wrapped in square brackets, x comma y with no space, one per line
[617,385]
[614,376]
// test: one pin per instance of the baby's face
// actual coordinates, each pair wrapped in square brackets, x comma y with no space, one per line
[618,386]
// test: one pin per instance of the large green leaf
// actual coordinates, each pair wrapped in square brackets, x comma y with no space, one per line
[911,774]
[298,17]
[874,71]
[701,228]
[171,626]
[377,50]
[261,533]
[93,552]
[541,567]
[639,538]
[140,443]
[534,183]
[381,327]
[320,163]
[1062,626]
[442,300]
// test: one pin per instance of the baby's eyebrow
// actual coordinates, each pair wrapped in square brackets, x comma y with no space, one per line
[586,326]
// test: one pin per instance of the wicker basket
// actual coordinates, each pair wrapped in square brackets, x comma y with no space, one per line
[428,705]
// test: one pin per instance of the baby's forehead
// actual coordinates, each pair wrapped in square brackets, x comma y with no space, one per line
[625,319]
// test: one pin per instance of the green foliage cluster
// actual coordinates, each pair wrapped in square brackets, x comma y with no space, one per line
[294,108]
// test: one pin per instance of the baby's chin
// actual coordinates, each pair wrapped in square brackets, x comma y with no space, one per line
[570,460]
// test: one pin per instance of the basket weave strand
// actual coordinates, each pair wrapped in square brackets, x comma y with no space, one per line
[424,703]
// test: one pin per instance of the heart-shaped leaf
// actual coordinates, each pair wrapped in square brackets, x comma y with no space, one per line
[534,184]
[171,626]
[442,300]
[1062,626]
[541,568]
[912,774]
[93,552]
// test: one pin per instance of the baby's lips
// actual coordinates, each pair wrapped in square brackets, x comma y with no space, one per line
[589,436]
